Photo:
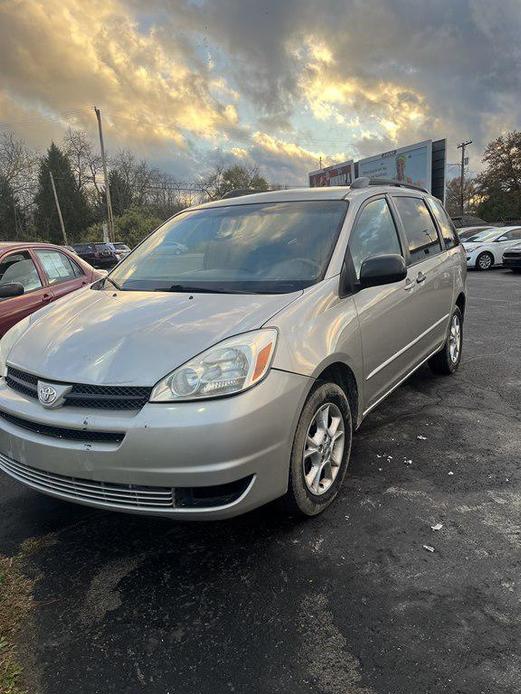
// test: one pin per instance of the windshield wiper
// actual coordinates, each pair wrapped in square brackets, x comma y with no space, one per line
[114,284]
[181,288]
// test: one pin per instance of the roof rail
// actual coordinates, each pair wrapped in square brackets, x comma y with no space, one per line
[365,181]
[238,192]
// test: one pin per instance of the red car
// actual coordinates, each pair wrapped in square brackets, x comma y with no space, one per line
[34,274]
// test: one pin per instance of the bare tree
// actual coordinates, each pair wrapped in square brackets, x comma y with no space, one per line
[85,161]
[19,167]
[222,180]
[137,174]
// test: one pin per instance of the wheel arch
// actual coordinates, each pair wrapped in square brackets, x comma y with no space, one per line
[343,375]
[461,303]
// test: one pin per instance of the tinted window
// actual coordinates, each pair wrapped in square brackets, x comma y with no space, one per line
[419,228]
[373,234]
[447,227]
[57,266]
[19,267]
[270,247]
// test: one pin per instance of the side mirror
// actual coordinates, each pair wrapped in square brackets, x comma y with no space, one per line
[11,289]
[382,269]
[501,238]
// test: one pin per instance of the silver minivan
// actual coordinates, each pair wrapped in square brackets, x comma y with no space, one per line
[204,383]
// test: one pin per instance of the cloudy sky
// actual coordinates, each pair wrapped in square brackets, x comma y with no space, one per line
[278,83]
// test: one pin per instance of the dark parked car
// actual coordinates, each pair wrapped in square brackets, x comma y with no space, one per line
[512,258]
[99,255]
[34,274]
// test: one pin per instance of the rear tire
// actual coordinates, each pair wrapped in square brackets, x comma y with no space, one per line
[321,451]
[446,361]
[484,261]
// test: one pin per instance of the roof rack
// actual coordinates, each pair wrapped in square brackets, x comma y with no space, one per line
[238,192]
[365,181]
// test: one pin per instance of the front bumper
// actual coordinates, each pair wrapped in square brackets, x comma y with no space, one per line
[512,261]
[242,442]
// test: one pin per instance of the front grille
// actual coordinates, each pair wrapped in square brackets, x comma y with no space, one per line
[84,395]
[130,496]
[126,496]
[63,432]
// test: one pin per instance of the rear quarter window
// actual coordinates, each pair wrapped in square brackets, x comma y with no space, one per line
[422,236]
[448,230]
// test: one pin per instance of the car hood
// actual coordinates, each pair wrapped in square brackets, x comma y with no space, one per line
[134,338]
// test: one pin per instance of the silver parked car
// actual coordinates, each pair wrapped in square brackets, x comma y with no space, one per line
[207,383]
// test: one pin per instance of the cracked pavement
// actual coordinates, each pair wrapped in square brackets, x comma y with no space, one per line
[348,603]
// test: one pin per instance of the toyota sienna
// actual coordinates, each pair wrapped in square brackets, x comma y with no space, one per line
[206,382]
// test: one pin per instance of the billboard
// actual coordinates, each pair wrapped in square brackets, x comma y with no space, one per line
[412,164]
[337,175]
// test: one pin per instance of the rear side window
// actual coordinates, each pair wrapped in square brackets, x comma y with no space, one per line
[374,233]
[58,267]
[511,235]
[448,230]
[422,237]
[20,268]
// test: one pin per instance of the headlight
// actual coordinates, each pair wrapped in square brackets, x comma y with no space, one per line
[229,367]
[8,340]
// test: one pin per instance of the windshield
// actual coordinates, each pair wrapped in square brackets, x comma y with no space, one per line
[259,247]
[484,235]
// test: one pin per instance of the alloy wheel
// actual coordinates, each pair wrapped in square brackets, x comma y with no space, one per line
[485,261]
[455,338]
[324,448]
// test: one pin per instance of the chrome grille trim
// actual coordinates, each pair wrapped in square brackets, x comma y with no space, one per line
[122,495]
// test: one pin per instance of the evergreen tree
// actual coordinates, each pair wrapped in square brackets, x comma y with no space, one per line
[10,215]
[75,211]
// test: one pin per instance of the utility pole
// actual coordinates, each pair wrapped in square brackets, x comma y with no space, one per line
[462,173]
[58,208]
[110,218]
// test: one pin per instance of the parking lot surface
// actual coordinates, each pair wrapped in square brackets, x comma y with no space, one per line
[351,602]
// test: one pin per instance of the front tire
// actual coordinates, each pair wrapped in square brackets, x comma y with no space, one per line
[448,359]
[321,451]
[484,261]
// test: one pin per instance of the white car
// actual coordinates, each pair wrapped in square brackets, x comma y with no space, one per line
[486,248]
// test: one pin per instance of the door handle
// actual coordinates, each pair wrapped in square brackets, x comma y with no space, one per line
[45,298]
[409,284]
[420,279]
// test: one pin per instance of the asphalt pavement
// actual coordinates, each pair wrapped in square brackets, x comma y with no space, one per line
[351,602]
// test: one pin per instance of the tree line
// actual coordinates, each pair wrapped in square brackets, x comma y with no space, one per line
[142,196]
[495,193]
